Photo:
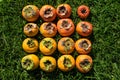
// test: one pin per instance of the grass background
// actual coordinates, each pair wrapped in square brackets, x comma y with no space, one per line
[105,17]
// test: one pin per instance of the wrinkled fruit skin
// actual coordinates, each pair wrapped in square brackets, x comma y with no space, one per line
[61,65]
[66,45]
[30,45]
[65,27]
[49,31]
[83,11]
[44,61]
[48,46]
[30,13]
[31,29]
[83,46]
[33,58]
[52,15]
[84,28]
[80,59]
[66,13]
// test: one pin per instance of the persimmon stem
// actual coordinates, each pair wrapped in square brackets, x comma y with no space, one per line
[62,10]
[67,63]
[86,65]
[31,43]
[29,12]
[84,45]
[48,64]
[49,27]
[48,13]
[48,44]
[65,25]
[84,28]
[27,64]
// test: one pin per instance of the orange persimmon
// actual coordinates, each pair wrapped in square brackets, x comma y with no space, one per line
[30,45]
[83,11]
[48,46]
[47,13]
[47,63]
[83,46]
[66,63]
[48,29]
[64,10]
[84,63]
[31,29]
[66,45]
[84,28]
[65,27]
[30,13]
[30,62]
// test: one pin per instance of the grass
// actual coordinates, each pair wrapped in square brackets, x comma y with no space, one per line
[105,17]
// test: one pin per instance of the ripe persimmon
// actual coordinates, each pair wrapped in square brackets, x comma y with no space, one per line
[65,27]
[83,46]
[48,29]
[84,63]
[83,11]
[30,13]
[48,13]
[84,28]
[64,10]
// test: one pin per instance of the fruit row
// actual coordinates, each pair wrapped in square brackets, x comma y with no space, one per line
[48,13]
[65,63]
[65,27]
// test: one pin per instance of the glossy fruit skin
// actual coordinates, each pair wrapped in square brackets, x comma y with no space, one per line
[49,59]
[83,11]
[65,13]
[31,29]
[85,43]
[80,59]
[30,13]
[30,45]
[63,29]
[33,58]
[84,28]
[61,64]
[63,45]
[50,17]
[50,49]
[49,31]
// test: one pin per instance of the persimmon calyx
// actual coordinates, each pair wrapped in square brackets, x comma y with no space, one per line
[49,27]
[83,11]
[84,44]
[29,27]
[67,62]
[48,65]
[66,25]
[48,13]
[62,10]
[67,44]
[27,64]
[48,44]
[85,28]
[29,12]
[85,65]
[31,43]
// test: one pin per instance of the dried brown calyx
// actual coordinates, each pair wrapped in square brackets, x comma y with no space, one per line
[62,10]
[85,65]
[31,43]
[83,11]
[84,44]
[85,28]
[48,13]
[66,25]
[49,27]
[67,62]
[29,12]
